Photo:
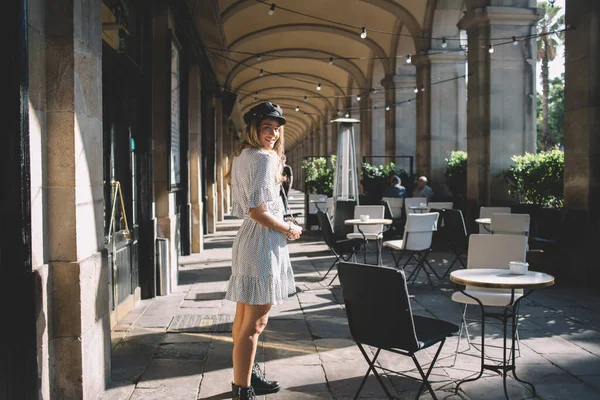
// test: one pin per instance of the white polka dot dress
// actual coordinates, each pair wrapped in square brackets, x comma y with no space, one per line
[261,272]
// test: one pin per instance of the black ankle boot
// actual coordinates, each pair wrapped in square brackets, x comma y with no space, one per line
[242,392]
[262,385]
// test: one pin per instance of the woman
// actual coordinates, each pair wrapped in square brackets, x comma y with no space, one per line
[261,272]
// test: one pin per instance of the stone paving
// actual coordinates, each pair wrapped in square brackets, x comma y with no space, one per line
[179,346]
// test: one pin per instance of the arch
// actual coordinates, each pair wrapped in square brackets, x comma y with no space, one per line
[442,22]
[291,88]
[273,30]
[292,103]
[347,65]
[338,90]
[288,116]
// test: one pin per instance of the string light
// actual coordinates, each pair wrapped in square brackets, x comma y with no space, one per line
[261,73]
[347,115]
[416,90]
[330,60]
[258,57]
[363,34]
[515,41]
[272,9]
[387,108]
[255,96]
[491,49]
[422,88]
[318,86]
[373,90]
[358,97]
[297,108]
[408,59]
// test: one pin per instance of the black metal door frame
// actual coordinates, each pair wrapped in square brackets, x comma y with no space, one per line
[18,338]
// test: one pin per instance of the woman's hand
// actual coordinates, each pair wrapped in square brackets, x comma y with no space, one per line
[294,231]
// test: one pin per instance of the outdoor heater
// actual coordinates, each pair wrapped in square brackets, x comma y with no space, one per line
[345,179]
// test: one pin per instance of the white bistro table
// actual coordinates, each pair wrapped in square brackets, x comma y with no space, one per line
[501,279]
[485,222]
[371,221]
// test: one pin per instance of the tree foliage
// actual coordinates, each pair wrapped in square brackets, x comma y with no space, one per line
[556,113]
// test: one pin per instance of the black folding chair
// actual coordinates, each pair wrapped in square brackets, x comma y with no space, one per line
[342,249]
[379,315]
[458,239]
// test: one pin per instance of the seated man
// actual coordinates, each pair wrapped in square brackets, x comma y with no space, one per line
[395,189]
[422,190]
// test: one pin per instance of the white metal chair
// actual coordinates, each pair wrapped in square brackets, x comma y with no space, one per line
[510,224]
[413,202]
[417,238]
[439,205]
[368,232]
[490,251]
[396,205]
[316,202]
[329,207]
[486,212]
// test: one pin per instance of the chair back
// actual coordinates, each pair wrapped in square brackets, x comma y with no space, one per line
[320,205]
[374,212]
[418,231]
[456,229]
[510,224]
[486,212]
[327,229]
[378,306]
[495,251]
[413,202]
[441,205]
[396,206]
[329,206]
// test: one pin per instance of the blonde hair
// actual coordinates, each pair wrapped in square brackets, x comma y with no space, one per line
[250,139]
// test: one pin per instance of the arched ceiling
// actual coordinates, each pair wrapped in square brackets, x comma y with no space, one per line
[295,50]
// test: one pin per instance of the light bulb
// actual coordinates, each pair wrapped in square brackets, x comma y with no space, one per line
[358,97]
[330,60]
[408,59]
[318,86]
[261,72]
[347,115]
[363,34]
[491,49]
[272,9]
[375,107]
[305,98]
[408,101]
[255,97]
[387,108]
[422,88]
[258,57]
[515,41]
[444,43]
[373,90]
[416,90]
[297,108]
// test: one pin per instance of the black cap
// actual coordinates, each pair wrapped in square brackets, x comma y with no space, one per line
[265,110]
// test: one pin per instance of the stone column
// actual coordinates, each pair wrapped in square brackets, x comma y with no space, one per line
[219,132]
[582,108]
[389,99]
[228,132]
[195,157]
[441,114]
[80,322]
[501,107]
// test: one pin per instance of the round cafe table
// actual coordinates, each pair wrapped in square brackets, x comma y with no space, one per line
[371,221]
[501,279]
[485,222]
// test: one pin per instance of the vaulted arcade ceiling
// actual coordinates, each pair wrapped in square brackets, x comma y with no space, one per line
[283,52]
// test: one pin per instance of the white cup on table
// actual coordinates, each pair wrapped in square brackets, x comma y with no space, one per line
[518,267]
[364,218]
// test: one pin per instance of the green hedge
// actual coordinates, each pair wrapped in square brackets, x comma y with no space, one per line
[537,178]
[456,174]
[374,178]
[319,172]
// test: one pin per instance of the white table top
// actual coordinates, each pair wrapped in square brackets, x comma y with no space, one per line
[371,221]
[485,221]
[501,278]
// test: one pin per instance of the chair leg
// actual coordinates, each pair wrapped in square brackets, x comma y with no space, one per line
[424,376]
[463,325]
[337,260]
[371,368]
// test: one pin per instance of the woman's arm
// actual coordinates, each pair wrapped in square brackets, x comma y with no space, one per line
[266,219]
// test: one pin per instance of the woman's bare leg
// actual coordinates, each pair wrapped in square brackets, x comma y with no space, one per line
[237,321]
[245,340]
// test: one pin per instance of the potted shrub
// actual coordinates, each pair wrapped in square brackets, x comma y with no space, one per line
[456,177]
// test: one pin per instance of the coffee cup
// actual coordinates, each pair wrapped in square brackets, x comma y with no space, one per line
[364,218]
[518,267]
